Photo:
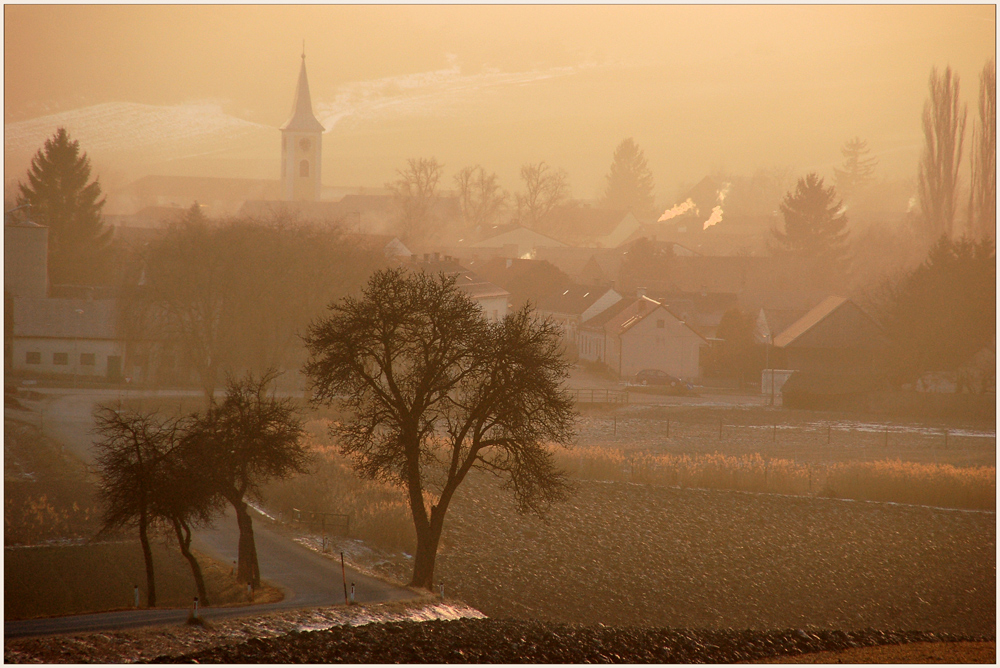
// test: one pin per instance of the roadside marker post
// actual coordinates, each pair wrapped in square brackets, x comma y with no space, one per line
[136,587]
[196,607]
[352,593]
[343,572]
[945,439]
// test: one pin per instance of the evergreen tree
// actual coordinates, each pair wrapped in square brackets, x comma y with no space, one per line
[62,199]
[815,225]
[630,183]
[858,169]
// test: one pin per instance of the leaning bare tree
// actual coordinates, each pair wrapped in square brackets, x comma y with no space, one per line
[432,390]
[944,132]
[130,454]
[242,443]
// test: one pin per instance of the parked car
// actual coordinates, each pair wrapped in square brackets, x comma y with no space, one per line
[664,379]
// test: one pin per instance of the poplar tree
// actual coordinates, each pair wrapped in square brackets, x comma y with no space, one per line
[983,195]
[944,132]
[63,198]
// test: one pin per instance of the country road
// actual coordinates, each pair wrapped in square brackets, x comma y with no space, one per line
[306,578]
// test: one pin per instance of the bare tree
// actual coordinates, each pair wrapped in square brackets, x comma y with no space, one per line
[544,189]
[480,196]
[415,194]
[130,453]
[983,195]
[243,443]
[432,390]
[944,132]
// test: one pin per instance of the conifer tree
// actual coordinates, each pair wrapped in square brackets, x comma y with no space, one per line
[815,224]
[630,183]
[62,199]
[858,169]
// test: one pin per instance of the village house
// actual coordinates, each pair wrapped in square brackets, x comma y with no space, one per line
[491,298]
[640,333]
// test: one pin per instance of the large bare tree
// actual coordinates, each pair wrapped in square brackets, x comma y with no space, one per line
[415,195]
[545,188]
[432,390]
[983,195]
[944,132]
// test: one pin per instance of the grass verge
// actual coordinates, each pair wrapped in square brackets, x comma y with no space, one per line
[74,579]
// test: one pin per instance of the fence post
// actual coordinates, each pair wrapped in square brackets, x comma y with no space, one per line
[774,433]
[720,430]
[945,439]
[810,479]
[615,425]
[886,436]
[668,427]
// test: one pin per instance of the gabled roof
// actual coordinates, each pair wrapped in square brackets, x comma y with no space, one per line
[628,313]
[573,300]
[64,318]
[518,235]
[302,119]
[775,321]
[812,318]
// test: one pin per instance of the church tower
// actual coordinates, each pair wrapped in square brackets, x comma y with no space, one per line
[301,147]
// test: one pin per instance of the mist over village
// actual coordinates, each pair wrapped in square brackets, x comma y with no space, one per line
[500,334]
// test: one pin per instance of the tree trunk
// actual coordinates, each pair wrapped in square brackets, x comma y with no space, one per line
[147,554]
[423,560]
[247,568]
[183,532]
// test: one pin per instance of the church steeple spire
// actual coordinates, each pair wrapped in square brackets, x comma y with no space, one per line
[302,146]
[302,119]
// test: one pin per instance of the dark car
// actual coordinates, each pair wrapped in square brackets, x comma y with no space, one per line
[662,378]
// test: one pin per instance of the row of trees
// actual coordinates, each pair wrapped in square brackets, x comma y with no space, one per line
[218,298]
[944,121]
[179,472]
[483,201]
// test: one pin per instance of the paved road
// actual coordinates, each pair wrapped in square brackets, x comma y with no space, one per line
[307,579]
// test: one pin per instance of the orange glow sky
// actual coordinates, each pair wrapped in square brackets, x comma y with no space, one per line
[699,88]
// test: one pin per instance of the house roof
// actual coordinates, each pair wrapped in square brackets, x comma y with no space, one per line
[605,316]
[812,318]
[574,299]
[205,189]
[776,321]
[468,281]
[302,119]
[64,318]
[579,223]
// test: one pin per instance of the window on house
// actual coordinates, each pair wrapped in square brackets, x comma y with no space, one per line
[33,358]
[304,168]
[60,358]
[87,359]
[660,324]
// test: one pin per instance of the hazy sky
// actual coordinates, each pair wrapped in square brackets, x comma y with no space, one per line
[201,90]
